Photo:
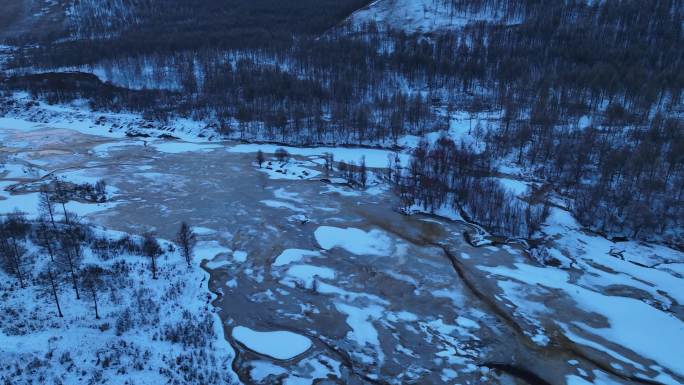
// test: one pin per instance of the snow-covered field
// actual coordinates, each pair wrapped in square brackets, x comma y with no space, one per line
[148,331]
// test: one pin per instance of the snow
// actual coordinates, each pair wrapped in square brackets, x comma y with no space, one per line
[212,250]
[77,116]
[105,148]
[307,274]
[289,170]
[293,255]
[592,252]
[422,15]
[78,343]
[16,124]
[661,340]
[177,147]
[262,369]
[360,320]
[18,171]
[240,256]
[198,230]
[375,158]
[445,211]
[281,345]
[281,205]
[283,194]
[353,240]
[28,204]
[209,249]
[517,187]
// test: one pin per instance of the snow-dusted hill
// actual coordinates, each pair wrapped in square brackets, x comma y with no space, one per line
[424,16]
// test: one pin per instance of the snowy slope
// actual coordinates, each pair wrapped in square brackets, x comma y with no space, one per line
[149,331]
[422,15]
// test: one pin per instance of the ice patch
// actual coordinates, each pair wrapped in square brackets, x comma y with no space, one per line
[177,147]
[355,241]
[281,205]
[281,345]
[293,255]
[306,274]
[240,256]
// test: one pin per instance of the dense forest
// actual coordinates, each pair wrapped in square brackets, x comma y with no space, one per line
[542,68]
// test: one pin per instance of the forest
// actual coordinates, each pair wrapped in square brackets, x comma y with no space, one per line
[540,67]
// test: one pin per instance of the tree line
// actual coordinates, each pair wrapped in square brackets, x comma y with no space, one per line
[541,68]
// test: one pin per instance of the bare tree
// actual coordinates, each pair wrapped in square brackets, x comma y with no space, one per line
[61,196]
[328,158]
[186,240]
[260,158]
[46,204]
[281,154]
[48,281]
[152,250]
[70,256]
[91,277]
[363,172]
[12,253]
[45,238]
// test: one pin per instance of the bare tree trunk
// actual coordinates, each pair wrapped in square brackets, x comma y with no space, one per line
[54,292]
[48,246]
[66,216]
[97,314]
[17,264]
[74,280]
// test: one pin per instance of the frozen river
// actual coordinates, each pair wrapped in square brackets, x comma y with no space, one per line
[322,282]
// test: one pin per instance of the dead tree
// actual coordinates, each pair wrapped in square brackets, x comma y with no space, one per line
[186,240]
[45,238]
[91,278]
[12,253]
[48,281]
[152,250]
[61,196]
[260,158]
[70,257]
[46,204]
[363,173]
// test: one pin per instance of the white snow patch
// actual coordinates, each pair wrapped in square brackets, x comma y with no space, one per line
[355,241]
[375,158]
[281,345]
[293,255]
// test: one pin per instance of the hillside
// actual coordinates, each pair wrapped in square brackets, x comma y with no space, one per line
[428,16]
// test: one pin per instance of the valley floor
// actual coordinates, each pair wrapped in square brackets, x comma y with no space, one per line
[314,281]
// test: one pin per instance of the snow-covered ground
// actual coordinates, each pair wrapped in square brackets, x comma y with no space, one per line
[633,296]
[375,158]
[149,330]
[422,15]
